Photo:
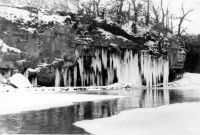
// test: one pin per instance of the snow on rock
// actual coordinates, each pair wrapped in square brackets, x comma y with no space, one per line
[6,49]
[22,61]
[189,80]
[109,20]
[43,65]
[177,119]
[142,30]
[50,18]
[109,35]
[123,38]
[31,30]
[150,43]
[20,81]
[98,19]
[113,45]
[18,102]
[128,27]
[15,14]
[32,70]
[62,5]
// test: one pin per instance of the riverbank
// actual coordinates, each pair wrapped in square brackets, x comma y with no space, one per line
[23,101]
[174,119]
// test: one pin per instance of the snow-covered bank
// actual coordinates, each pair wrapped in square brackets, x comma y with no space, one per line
[189,81]
[177,119]
[19,102]
[24,86]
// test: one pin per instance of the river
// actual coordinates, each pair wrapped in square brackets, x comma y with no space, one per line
[60,120]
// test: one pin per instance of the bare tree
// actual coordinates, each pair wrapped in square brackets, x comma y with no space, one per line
[182,18]
[163,13]
[137,9]
[147,13]
[91,7]
[156,14]
[129,10]
[97,6]
[87,7]
[171,22]
[167,17]
[119,11]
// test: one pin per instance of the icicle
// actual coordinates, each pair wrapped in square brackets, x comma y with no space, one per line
[65,76]
[57,78]
[166,73]
[81,69]
[97,79]
[104,58]
[127,69]
[152,69]
[69,78]
[92,79]
[26,74]
[96,62]
[8,74]
[130,69]
[75,76]
[110,73]
[34,81]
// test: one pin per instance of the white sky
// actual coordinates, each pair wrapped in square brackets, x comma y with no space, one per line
[193,26]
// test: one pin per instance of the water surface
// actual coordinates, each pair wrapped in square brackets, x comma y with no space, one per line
[60,120]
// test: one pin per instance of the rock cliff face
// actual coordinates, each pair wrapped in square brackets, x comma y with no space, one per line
[192,63]
[64,50]
[44,46]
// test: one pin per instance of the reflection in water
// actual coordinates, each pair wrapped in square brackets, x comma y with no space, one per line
[179,96]
[60,120]
[154,98]
[56,120]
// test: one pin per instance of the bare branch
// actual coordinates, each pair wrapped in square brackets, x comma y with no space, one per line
[182,18]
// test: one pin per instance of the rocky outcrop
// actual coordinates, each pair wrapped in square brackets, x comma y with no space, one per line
[58,48]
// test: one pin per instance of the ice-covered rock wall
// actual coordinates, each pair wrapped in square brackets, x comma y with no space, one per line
[136,69]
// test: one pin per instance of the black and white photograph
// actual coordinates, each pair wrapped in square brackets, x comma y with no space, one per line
[100,67]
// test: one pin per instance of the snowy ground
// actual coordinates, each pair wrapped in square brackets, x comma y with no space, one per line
[177,119]
[189,81]
[18,102]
